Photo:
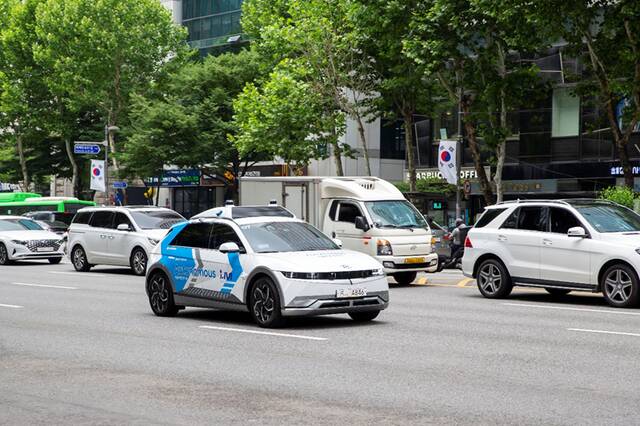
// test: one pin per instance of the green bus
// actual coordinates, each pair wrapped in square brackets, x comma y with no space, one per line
[19,203]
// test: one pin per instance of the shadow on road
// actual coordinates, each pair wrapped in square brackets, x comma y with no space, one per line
[575,298]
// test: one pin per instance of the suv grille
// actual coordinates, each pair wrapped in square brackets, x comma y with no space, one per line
[34,245]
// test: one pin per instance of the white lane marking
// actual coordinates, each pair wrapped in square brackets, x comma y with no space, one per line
[85,274]
[64,287]
[620,333]
[2,305]
[266,333]
[601,311]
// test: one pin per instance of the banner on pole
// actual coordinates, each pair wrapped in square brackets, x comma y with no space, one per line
[97,175]
[447,163]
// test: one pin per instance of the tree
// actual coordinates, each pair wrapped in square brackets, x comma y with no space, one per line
[188,117]
[102,51]
[473,47]
[403,91]
[284,118]
[317,35]
[605,35]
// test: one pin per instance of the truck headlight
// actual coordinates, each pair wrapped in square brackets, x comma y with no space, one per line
[384,248]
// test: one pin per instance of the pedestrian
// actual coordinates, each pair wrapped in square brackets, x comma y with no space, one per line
[456,237]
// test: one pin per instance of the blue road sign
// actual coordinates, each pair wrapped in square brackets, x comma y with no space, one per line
[120,185]
[86,149]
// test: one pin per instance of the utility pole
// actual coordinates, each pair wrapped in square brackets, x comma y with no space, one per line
[459,151]
[106,165]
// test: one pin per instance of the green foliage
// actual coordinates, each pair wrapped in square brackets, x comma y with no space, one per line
[430,185]
[186,122]
[622,195]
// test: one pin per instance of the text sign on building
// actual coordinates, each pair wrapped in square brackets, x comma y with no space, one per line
[469,173]
[83,148]
[171,178]
[120,185]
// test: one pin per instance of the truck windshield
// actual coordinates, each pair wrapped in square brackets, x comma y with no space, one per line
[277,237]
[395,214]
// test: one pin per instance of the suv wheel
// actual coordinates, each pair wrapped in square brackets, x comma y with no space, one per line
[557,291]
[405,278]
[364,316]
[4,255]
[79,259]
[619,285]
[161,296]
[264,303]
[138,261]
[493,279]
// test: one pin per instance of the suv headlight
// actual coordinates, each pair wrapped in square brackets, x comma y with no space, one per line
[21,242]
[153,241]
[384,248]
[638,250]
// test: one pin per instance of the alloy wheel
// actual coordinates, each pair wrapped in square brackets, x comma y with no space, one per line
[3,254]
[78,258]
[618,286]
[139,262]
[263,302]
[490,278]
[159,294]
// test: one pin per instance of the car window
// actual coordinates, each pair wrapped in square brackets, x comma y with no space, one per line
[512,221]
[101,219]
[193,235]
[532,219]
[488,217]
[562,220]
[82,217]
[347,212]
[224,234]
[120,219]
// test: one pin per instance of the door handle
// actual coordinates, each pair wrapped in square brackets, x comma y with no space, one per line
[103,236]
[547,242]
[502,238]
[111,237]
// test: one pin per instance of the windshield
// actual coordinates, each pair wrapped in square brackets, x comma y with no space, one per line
[19,225]
[277,237]
[395,214]
[154,219]
[610,218]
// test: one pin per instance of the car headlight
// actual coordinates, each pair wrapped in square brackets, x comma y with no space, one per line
[638,250]
[377,272]
[153,241]
[384,248]
[20,242]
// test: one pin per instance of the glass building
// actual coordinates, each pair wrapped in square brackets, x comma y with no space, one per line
[213,25]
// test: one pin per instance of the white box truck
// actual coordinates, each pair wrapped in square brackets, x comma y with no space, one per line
[367,214]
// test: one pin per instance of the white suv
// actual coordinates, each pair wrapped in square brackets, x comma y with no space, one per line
[586,245]
[119,236]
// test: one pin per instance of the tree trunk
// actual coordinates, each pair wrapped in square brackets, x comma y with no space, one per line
[501,148]
[408,141]
[470,129]
[74,167]
[621,141]
[497,178]
[337,153]
[363,141]
[23,163]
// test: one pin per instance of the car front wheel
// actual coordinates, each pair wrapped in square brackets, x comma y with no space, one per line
[364,316]
[493,279]
[161,296]
[264,303]
[4,255]
[405,278]
[138,262]
[620,286]
[55,260]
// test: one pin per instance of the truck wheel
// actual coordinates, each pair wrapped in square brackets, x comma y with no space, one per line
[405,278]
[364,316]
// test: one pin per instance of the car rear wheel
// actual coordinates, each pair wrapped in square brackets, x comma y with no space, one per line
[619,285]
[364,316]
[79,259]
[55,260]
[557,291]
[4,255]
[405,278]
[161,296]
[264,303]
[493,279]
[138,261]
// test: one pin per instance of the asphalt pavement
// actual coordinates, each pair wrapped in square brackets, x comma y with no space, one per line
[85,348]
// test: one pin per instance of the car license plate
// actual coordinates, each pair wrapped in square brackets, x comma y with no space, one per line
[414,260]
[351,292]
[44,249]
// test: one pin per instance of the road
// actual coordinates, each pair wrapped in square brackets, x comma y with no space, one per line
[85,348]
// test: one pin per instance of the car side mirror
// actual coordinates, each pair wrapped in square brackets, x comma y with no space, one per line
[577,232]
[361,223]
[229,248]
[123,227]
[337,242]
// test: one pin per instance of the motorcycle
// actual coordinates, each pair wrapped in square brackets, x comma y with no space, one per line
[453,261]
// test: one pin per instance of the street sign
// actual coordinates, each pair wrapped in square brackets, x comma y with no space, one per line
[86,149]
[120,185]
[467,187]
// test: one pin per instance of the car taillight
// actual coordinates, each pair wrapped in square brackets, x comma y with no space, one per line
[467,243]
